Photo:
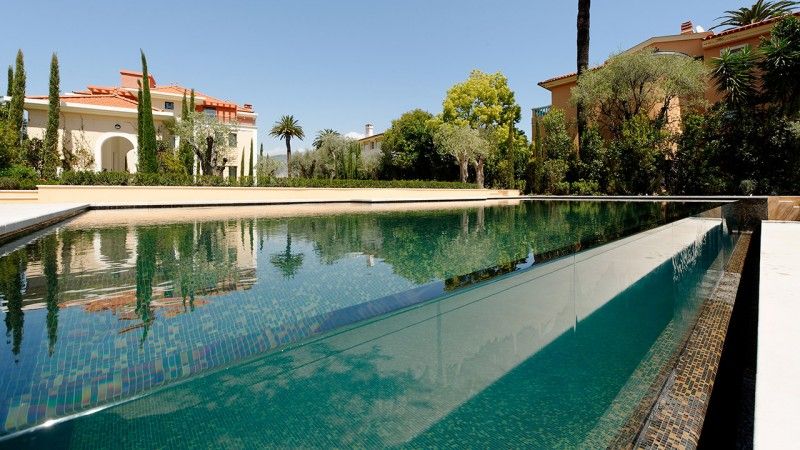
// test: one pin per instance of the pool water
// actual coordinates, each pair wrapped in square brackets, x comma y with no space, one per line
[532,323]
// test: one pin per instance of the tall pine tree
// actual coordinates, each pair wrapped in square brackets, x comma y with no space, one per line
[250,171]
[185,152]
[16,107]
[148,156]
[50,151]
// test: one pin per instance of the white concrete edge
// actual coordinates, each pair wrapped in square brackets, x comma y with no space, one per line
[778,362]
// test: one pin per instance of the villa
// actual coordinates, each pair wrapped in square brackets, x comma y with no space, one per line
[691,41]
[100,122]
[371,142]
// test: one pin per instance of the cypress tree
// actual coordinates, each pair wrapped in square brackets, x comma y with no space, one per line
[241,163]
[50,153]
[10,87]
[148,158]
[185,150]
[139,119]
[16,108]
[191,102]
[261,151]
[250,172]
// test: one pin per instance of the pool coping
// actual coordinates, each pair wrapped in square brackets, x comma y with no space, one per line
[777,361]
[677,410]
[51,214]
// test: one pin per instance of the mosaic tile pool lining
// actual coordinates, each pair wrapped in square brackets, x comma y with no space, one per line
[72,367]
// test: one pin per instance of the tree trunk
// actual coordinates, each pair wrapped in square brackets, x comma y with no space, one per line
[205,160]
[288,157]
[462,165]
[583,62]
[479,171]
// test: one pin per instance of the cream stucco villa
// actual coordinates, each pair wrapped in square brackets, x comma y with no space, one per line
[101,121]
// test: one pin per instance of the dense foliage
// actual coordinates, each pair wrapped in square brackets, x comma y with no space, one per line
[748,143]
[88,178]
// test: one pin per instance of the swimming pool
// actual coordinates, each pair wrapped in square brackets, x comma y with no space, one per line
[503,324]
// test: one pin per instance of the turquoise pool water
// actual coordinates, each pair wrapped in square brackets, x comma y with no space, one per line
[507,325]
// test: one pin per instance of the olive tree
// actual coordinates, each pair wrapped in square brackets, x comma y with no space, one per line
[466,145]
[643,82]
[207,137]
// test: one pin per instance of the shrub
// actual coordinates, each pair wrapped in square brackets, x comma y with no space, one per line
[585,187]
[165,179]
[18,177]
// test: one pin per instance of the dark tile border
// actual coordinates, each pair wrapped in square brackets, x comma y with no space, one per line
[677,415]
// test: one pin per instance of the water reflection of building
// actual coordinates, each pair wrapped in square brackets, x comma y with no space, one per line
[97,268]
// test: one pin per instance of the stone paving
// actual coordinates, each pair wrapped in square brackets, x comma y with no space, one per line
[778,362]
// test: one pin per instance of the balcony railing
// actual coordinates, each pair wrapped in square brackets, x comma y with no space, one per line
[541,111]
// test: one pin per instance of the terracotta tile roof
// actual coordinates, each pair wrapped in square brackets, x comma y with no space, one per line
[180,90]
[560,77]
[746,27]
[110,100]
[124,97]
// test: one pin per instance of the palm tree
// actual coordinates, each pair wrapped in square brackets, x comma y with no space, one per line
[287,128]
[734,74]
[322,135]
[760,10]
[583,59]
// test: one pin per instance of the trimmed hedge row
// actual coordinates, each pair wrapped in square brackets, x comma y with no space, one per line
[157,179]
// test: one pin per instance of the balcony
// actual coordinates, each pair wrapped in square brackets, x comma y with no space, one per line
[541,111]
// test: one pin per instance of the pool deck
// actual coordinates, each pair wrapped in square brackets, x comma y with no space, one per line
[778,362]
[21,218]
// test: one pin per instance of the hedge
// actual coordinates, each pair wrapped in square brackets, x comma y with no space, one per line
[156,179]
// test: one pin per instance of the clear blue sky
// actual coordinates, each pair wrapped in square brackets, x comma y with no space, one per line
[333,64]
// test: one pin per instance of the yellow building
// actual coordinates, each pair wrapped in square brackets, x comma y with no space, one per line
[100,122]
[691,41]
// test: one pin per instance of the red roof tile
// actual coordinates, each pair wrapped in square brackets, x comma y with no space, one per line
[747,27]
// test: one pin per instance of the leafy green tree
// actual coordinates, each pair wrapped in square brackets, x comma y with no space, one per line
[483,101]
[635,83]
[322,135]
[408,151]
[466,145]
[642,151]
[760,10]
[206,137]
[16,108]
[696,167]
[185,153]
[556,143]
[287,128]
[148,157]
[50,159]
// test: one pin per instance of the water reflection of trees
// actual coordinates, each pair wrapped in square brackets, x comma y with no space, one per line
[423,246]
[185,261]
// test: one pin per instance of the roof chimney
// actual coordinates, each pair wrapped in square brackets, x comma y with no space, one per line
[368,130]
[687,27]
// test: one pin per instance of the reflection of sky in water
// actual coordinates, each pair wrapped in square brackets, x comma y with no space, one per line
[138,307]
